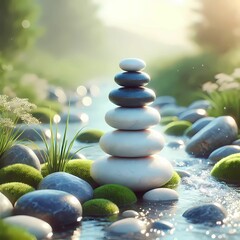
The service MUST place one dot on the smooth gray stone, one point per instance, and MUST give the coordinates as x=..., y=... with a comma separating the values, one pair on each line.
x=130, y=214
x=56, y=207
x=72, y=118
x=197, y=126
x=37, y=227
x=192, y=115
x=223, y=152
x=66, y=182
x=6, y=206
x=203, y=104
x=20, y=154
x=219, y=132
x=212, y=214
x=162, y=225
x=132, y=97
x=132, y=79
x=57, y=94
x=183, y=173
x=132, y=64
x=164, y=100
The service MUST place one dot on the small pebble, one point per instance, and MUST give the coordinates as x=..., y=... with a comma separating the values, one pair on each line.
x=161, y=194
x=130, y=214
x=132, y=64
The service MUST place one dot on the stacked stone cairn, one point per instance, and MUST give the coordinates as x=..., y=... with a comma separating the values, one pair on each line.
x=134, y=144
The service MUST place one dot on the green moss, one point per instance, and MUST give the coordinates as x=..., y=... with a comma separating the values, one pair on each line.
x=81, y=168
x=44, y=170
x=173, y=182
x=44, y=115
x=177, y=128
x=118, y=194
x=228, y=169
x=20, y=173
x=9, y=232
x=14, y=190
x=90, y=136
x=168, y=119
x=99, y=208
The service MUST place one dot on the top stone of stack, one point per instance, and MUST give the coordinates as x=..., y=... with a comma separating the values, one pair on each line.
x=132, y=64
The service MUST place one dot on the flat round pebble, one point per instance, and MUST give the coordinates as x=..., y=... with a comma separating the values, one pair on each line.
x=127, y=226
x=56, y=207
x=162, y=225
x=130, y=214
x=132, y=79
x=132, y=144
x=139, y=174
x=66, y=182
x=212, y=213
x=132, y=64
x=35, y=226
x=132, y=97
x=132, y=118
x=192, y=115
x=6, y=206
x=161, y=194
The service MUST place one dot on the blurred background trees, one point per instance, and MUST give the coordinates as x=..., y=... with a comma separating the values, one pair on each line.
x=217, y=34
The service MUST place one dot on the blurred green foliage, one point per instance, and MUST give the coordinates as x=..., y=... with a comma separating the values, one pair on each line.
x=17, y=26
x=219, y=27
x=183, y=78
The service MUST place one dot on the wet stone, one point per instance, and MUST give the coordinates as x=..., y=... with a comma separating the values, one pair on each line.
x=203, y=104
x=192, y=115
x=130, y=214
x=206, y=214
x=132, y=79
x=162, y=225
x=6, y=206
x=223, y=152
x=20, y=154
x=56, y=207
x=164, y=100
x=161, y=194
x=66, y=182
x=132, y=97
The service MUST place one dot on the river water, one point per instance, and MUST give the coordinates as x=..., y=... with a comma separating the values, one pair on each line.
x=195, y=190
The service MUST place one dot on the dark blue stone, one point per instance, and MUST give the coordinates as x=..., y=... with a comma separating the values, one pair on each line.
x=212, y=214
x=132, y=97
x=164, y=100
x=197, y=126
x=132, y=79
x=56, y=207
x=223, y=152
x=203, y=104
x=66, y=182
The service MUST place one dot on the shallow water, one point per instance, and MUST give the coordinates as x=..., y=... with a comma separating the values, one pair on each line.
x=195, y=190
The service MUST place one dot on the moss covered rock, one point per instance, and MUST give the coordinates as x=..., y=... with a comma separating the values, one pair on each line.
x=99, y=208
x=168, y=119
x=228, y=169
x=81, y=168
x=9, y=232
x=15, y=190
x=173, y=182
x=44, y=114
x=20, y=173
x=177, y=128
x=90, y=136
x=118, y=194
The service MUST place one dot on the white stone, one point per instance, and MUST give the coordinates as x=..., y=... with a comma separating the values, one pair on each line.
x=35, y=226
x=127, y=226
x=130, y=214
x=139, y=174
x=161, y=194
x=132, y=143
x=132, y=64
x=6, y=206
x=132, y=118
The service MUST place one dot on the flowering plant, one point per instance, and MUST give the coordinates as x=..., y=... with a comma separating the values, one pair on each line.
x=11, y=111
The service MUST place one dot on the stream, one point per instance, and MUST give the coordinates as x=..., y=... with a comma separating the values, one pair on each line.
x=199, y=188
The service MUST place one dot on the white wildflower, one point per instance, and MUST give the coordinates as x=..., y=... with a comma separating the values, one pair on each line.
x=236, y=73
x=222, y=78
x=209, y=87
x=227, y=86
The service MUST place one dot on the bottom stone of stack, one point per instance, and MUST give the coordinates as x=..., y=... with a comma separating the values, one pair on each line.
x=139, y=174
